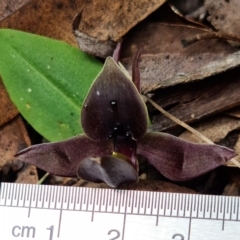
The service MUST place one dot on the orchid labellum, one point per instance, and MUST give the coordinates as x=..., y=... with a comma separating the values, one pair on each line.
x=114, y=119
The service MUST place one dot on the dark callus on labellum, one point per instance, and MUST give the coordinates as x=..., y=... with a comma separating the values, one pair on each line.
x=114, y=119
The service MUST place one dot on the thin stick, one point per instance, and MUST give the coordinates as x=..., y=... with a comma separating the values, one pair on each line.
x=181, y=123
x=43, y=178
x=190, y=129
x=209, y=35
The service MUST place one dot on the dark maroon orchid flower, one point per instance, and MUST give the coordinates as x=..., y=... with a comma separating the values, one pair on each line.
x=114, y=119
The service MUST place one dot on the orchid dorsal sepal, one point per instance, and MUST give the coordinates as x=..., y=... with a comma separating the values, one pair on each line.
x=113, y=104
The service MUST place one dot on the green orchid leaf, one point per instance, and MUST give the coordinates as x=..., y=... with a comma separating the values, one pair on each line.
x=47, y=80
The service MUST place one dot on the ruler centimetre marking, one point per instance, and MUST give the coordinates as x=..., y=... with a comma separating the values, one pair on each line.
x=53, y=212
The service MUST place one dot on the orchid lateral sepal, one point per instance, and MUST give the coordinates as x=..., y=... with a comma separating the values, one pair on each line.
x=62, y=158
x=180, y=160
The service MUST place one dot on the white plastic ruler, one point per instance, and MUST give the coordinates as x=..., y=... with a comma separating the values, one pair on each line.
x=42, y=212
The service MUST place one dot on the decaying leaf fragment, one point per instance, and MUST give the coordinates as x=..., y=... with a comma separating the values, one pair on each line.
x=12, y=139
x=46, y=18
x=165, y=62
x=224, y=15
x=189, y=9
x=98, y=33
x=198, y=100
x=114, y=119
x=120, y=18
x=7, y=7
x=8, y=110
x=90, y=44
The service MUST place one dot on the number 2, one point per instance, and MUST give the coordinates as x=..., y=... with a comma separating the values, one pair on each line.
x=116, y=231
x=178, y=235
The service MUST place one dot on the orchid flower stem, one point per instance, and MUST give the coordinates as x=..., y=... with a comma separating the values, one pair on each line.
x=190, y=129
x=43, y=178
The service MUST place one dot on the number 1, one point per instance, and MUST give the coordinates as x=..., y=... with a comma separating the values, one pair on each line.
x=51, y=232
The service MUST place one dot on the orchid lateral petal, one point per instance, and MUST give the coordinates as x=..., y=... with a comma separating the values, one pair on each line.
x=62, y=158
x=117, y=52
x=179, y=160
x=135, y=70
x=109, y=169
x=113, y=104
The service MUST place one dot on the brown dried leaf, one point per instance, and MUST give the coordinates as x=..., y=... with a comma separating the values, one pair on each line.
x=111, y=20
x=165, y=62
x=237, y=145
x=28, y=175
x=192, y=10
x=8, y=109
x=13, y=137
x=97, y=33
x=215, y=128
x=234, y=112
x=7, y=7
x=234, y=174
x=92, y=45
x=224, y=15
x=231, y=189
x=194, y=101
x=48, y=18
